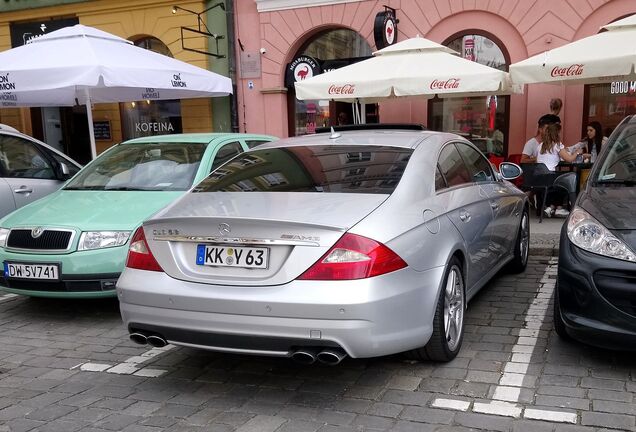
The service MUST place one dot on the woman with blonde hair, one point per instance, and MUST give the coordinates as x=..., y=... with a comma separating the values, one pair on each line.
x=550, y=154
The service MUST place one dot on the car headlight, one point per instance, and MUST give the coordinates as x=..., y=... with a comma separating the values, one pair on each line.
x=4, y=233
x=102, y=239
x=588, y=233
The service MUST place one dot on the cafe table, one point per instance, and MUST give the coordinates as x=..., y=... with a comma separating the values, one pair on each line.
x=582, y=171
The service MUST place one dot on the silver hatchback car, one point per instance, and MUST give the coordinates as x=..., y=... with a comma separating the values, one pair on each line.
x=29, y=169
x=360, y=243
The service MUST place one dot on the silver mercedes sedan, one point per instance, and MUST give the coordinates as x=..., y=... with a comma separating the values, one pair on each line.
x=360, y=243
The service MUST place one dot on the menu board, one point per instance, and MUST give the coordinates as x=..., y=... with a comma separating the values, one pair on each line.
x=101, y=129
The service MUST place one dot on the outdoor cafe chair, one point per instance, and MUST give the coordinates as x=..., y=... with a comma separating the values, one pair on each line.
x=539, y=179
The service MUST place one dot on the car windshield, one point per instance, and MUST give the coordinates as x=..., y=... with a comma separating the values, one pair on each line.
x=328, y=168
x=618, y=165
x=144, y=166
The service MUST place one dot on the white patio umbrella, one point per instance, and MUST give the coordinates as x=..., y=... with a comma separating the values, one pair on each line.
x=414, y=67
x=600, y=58
x=83, y=65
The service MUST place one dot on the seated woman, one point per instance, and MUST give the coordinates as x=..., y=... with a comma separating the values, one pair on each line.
x=592, y=142
x=550, y=153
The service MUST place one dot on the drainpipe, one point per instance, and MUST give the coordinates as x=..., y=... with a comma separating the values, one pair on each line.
x=231, y=54
x=225, y=109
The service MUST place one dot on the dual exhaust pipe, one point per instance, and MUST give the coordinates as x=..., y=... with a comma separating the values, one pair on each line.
x=153, y=340
x=328, y=356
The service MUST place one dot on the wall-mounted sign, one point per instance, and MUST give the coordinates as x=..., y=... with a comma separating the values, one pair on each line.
x=385, y=30
x=23, y=33
x=154, y=127
x=101, y=128
x=622, y=87
x=302, y=67
x=250, y=65
x=322, y=67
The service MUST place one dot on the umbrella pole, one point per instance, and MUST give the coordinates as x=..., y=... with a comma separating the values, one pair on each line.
x=91, y=132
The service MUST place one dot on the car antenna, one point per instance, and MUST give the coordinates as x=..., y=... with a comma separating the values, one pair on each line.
x=334, y=134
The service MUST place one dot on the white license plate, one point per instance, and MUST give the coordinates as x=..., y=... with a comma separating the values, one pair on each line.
x=232, y=256
x=32, y=271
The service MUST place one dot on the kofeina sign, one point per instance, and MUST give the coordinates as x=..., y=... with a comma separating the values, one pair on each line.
x=150, y=127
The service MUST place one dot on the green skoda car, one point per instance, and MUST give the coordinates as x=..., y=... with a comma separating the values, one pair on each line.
x=74, y=242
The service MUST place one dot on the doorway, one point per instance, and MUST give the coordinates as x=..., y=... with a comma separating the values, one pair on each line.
x=65, y=129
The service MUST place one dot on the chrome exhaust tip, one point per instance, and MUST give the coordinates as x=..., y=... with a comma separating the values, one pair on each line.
x=138, y=338
x=156, y=341
x=304, y=356
x=331, y=356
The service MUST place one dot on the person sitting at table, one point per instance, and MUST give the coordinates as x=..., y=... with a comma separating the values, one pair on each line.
x=595, y=140
x=532, y=146
x=550, y=154
x=592, y=142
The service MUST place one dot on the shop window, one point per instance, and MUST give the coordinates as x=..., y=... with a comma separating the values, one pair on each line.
x=332, y=49
x=482, y=120
x=608, y=104
x=151, y=117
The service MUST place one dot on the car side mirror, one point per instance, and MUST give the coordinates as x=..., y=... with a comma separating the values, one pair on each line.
x=63, y=172
x=509, y=170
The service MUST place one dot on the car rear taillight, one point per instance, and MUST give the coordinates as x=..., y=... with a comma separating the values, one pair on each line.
x=139, y=255
x=354, y=257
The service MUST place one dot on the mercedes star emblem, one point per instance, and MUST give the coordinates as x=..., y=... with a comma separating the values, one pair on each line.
x=224, y=229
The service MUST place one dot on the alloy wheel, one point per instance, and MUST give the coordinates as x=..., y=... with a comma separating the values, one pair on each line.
x=454, y=308
x=524, y=241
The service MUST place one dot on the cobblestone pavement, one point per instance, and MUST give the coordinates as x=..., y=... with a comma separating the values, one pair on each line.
x=68, y=365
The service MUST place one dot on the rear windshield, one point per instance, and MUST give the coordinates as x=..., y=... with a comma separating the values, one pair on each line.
x=341, y=169
x=149, y=166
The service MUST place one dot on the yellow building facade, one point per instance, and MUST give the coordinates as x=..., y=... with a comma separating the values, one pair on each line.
x=131, y=20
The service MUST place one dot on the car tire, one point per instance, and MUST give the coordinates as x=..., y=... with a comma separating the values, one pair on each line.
x=522, y=245
x=445, y=342
x=559, y=325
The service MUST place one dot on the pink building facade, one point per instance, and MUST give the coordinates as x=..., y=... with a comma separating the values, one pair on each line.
x=277, y=32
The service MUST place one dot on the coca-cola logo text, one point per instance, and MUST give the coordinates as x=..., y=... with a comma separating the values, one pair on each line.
x=451, y=83
x=572, y=70
x=346, y=89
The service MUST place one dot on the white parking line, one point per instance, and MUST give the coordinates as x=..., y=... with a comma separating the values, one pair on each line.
x=505, y=400
x=7, y=297
x=130, y=366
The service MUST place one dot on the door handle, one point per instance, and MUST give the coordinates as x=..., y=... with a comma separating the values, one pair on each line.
x=494, y=205
x=23, y=190
x=464, y=216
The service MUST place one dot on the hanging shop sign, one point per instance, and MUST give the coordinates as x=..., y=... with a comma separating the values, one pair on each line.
x=468, y=48
x=23, y=33
x=385, y=30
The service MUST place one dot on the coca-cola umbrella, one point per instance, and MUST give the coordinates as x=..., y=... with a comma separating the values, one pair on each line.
x=601, y=58
x=80, y=65
x=414, y=67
